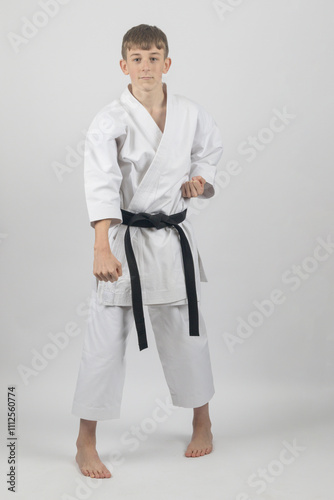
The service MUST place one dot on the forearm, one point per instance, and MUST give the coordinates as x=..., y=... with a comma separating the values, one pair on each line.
x=106, y=267
x=101, y=234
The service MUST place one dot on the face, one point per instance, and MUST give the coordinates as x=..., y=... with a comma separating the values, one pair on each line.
x=145, y=67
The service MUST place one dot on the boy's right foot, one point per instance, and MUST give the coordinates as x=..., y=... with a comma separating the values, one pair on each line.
x=89, y=462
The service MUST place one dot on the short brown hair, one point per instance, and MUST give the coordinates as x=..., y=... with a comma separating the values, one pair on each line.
x=144, y=37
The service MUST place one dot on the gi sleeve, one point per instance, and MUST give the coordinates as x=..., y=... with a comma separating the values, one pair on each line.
x=206, y=151
x=102, y=175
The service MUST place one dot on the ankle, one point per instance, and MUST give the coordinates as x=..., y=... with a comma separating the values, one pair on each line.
x=86, y=441
x=202, y=421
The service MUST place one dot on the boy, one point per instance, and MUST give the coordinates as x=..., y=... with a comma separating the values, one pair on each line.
x=147, y=154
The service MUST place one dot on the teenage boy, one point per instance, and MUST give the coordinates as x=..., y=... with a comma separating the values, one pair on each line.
x=147, y=154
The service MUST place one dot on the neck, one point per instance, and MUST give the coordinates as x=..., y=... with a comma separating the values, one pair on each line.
x=155, y=99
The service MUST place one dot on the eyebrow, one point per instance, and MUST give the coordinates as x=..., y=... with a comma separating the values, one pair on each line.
x=151, y=53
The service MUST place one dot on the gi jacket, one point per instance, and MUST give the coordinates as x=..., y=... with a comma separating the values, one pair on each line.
x=131, y=164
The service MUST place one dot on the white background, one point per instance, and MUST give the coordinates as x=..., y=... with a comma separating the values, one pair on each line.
x=245, y=61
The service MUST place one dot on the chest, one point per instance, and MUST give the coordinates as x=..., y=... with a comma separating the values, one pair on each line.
x=160, y=118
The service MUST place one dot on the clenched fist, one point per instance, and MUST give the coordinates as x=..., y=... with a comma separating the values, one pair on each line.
x=193, y=188
x=106, y=267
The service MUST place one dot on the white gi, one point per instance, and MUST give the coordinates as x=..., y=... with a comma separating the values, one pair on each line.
x=130, y=164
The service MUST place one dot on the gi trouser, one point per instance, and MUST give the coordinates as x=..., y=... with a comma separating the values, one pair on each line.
x=185, y=359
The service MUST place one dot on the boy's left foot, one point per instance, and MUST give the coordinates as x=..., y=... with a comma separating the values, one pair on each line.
x=201, y=441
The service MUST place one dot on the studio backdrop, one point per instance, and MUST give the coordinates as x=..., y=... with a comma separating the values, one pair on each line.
x=263, y=70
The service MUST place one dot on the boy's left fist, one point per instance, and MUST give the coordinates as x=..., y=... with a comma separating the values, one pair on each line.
x=193, y=188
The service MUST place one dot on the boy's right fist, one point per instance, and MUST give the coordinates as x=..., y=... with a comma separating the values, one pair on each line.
x=106, y=267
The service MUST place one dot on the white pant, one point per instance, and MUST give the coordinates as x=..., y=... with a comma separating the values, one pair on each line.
x=185, y=359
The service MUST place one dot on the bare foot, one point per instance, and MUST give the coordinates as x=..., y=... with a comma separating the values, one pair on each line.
x=201, y=441
x=89, y=462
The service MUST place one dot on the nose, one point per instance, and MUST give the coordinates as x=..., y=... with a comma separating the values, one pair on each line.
x=145, y=65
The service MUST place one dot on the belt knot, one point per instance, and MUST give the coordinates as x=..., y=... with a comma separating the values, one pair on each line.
x=159, y=221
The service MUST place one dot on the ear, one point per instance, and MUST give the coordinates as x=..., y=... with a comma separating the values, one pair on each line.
x=167, y=64
x=124, y=66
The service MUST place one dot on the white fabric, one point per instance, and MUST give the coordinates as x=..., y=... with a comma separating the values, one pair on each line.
x=185, y=359
x=131, y=164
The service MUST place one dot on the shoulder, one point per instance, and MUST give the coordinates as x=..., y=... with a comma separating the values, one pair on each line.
x=197, y=109
x=109, y=119
x=184, y=101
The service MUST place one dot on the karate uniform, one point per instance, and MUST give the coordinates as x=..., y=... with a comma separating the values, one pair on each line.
x=131, y=165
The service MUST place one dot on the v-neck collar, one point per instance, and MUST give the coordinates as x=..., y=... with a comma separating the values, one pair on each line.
x=131, y=100
x=161, y=143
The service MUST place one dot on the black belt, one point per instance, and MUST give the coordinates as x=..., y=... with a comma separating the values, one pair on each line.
x=159, y=221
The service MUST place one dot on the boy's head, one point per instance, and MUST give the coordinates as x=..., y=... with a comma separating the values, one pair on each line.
x=144, y=52
x=144, y=37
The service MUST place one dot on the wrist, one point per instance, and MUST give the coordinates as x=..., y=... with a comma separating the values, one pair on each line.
x=101, y=246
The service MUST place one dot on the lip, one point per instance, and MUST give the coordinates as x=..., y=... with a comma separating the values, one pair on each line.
x=145, y=77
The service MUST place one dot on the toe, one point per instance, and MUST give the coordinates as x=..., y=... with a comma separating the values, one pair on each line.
x=107, y=473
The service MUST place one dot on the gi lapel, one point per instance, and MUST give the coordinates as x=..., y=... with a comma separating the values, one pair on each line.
x=145, y=192
x=142, y=119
